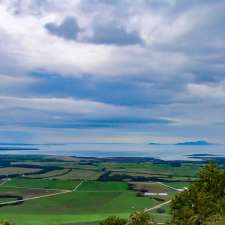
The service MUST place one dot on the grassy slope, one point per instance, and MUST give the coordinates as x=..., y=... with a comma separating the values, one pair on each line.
x=94, y=200
x=80, y=174
x=78, y=206
x=184, y=170
x=75, y=207
x=42, y=183
x=103, y=186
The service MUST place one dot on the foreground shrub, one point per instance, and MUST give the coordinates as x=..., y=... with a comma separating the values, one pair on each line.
x=204, y=199
x=215, y=220
x=113, y=220
x=140, y=218
x=137, y=218
x=6, y=223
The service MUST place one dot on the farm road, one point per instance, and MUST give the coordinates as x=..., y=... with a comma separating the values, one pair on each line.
x=42, y=196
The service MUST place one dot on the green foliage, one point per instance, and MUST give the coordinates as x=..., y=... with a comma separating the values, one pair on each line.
x=113, y=220
x=160, y=210
x=140, y=218
x=215, y=220
x=136, y=218
x=5, y=223
x=204, y=199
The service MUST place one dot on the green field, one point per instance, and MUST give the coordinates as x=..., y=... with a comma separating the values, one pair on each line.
x=79, y=174
x=103, y=186
x=92, y=201
x=187, y=169
x=42, y=183
x=84, y=191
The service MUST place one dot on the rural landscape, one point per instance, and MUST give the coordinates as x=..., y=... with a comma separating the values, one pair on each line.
x=56, y=190
x=112, y=112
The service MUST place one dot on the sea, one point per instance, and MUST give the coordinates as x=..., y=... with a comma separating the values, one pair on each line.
x=101, y=150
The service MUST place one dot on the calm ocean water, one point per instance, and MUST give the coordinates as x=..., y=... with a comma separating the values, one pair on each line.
x=165, y=152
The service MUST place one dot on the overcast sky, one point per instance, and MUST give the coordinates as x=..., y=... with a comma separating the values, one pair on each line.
x=112, y=71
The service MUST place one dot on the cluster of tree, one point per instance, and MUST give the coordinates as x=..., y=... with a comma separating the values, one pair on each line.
x=6, y=223
x=202, y=204
x=137, y=218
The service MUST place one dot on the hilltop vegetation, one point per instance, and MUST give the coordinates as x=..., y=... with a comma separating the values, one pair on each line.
x=202, y=204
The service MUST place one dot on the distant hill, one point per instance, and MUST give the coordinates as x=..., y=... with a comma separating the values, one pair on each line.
x=200, y=142
x=6, y=148
x=194, y=143
x=153, y=143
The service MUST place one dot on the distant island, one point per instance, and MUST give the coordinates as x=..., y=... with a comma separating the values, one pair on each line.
x=200, y=142
x=17, y=149
x=153, y=143
x=194, y=143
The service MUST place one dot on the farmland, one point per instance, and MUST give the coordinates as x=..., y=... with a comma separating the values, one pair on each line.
x=82, y=191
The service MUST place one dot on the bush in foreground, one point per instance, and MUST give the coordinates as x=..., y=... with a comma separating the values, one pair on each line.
x=113, y=220
x=215, y=220
x=202, y=204
x=137, y=218
x=204, y=201
x=140, y=218
x=6, y=223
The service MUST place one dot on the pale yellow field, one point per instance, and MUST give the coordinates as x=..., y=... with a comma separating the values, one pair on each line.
x=78, y=174
x=17, y=170
x=51, y=174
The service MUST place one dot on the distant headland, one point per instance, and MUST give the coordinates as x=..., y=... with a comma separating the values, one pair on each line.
x=199, y=142
x=194, y=143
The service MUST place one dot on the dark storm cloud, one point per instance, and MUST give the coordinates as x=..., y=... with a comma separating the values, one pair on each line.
x=114, y=35
x=102, y=123
x=68, y=28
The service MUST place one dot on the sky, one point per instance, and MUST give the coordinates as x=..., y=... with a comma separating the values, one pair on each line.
x=112, y=71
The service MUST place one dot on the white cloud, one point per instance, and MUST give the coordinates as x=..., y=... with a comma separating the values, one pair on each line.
x=27, y=46
x=60, y=105
x=207, y=91
x=7, y=81
x=180, y=64
x=26, y=42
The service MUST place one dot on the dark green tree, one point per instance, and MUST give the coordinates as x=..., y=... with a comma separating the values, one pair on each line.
x=6, y=223
x=113, y=220
x=215, y=220
x=204, y=199
x=140, y=218
x=136, y=218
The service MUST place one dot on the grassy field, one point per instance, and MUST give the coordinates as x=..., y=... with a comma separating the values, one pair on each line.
x=79, y=174
x=103, y=186
x=53, y=173
x=93, y=201
x=151, y=168
x=42, y=183
x=106, y=187
x=151, y=187
x=178, y=184
x=24, y=192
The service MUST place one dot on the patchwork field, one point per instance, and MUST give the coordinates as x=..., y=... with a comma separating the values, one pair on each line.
x=79, y=174
x=41, y=183
x=84, y=191
x=91, y=201
x=5, y=171
x=53, y=173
